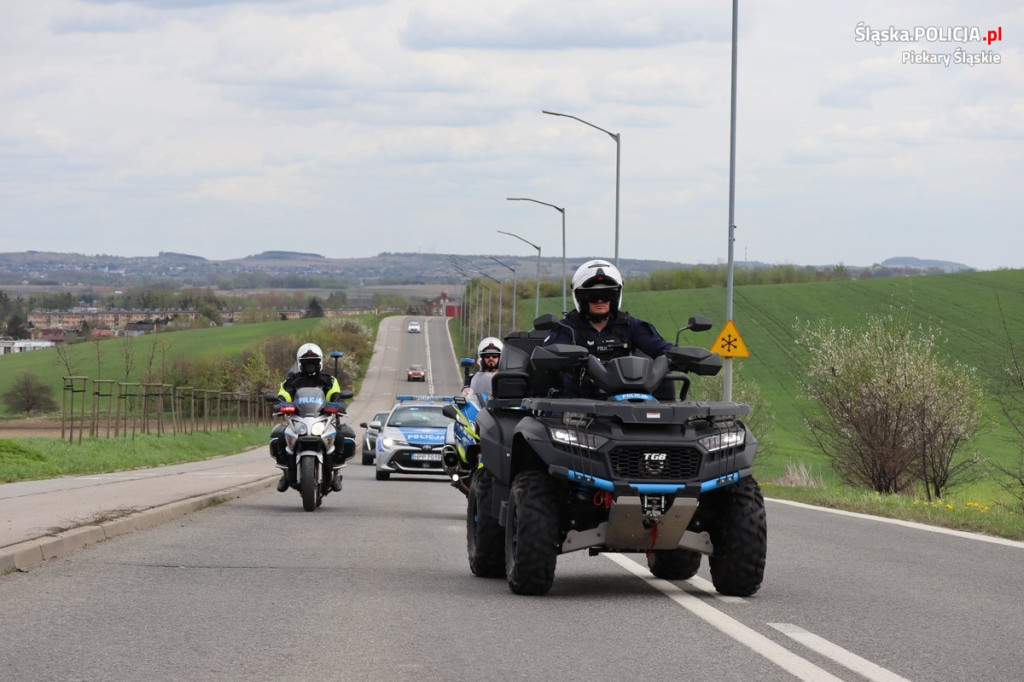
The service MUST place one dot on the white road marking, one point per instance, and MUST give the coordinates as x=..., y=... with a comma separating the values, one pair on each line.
x=799, y=667
x=907, y=524
x=873, y=672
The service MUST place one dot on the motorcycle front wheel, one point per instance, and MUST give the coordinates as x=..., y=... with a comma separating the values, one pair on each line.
x=307, y=483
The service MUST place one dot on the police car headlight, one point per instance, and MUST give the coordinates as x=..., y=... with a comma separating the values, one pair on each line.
x=318, y=428
x=389, y=442
x=724, y=440
x=577, y=439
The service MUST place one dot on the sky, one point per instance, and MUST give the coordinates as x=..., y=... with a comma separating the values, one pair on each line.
x=349, y=128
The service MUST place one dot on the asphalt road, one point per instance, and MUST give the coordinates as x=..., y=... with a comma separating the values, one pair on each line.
x=374, y=585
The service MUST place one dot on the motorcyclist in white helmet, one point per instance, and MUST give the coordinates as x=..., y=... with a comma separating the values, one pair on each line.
x=309, y=360
x=599, y=324
x=488, y=355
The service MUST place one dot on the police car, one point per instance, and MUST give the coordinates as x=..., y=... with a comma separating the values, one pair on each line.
x=411, y=441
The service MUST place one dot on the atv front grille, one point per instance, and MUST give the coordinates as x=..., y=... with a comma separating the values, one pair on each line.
x=641, y=461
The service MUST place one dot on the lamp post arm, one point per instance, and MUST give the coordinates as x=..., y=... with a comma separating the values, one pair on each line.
x=614, y=136
x=536, y=307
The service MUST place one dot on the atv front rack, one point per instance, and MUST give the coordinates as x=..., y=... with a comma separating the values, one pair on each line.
x=637, y=413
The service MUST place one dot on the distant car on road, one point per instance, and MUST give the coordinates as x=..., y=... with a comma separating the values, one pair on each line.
x=416, y=373
x=412, y=439
x=369, y=444
x=414, y=327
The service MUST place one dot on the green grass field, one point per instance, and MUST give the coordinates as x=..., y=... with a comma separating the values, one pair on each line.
x=964, y=307
x=106, y=359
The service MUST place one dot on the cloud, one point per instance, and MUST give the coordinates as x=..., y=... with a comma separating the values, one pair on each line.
x=136, y=127
x=564, y=25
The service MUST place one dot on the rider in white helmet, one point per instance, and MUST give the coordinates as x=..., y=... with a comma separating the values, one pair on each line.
x=488, y=355
x=309, y=362
x=598, y=323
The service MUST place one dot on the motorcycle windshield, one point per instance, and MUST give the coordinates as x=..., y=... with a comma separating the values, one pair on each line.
x=309, y=401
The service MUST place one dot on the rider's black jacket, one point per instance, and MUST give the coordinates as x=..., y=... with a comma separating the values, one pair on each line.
x=296, y=380
x=620, y=337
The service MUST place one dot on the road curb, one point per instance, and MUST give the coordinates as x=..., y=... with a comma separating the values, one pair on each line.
x=25, y=555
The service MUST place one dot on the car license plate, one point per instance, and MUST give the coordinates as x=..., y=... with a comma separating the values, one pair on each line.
x=426, y=456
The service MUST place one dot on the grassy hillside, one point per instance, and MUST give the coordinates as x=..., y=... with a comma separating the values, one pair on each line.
x=105, y=359
x=964, y=307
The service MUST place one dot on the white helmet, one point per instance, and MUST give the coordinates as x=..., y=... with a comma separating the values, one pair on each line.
x=310, y=359
x=491, y=346
x=596, y=275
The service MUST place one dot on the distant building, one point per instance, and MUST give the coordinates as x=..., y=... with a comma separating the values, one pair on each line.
x=442, y=306
x=8, y=346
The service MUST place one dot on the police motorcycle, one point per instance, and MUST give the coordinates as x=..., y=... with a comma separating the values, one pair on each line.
x=314, y=446
x=627, y=468
x=459, y=457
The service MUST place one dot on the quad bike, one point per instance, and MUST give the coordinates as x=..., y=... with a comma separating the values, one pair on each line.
x=616, y=471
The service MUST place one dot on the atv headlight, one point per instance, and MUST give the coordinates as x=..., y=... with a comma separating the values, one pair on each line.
x=577, y=439
x=724, y=440
x=318, y=428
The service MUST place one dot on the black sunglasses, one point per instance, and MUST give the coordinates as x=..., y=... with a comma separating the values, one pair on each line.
x=597, y=295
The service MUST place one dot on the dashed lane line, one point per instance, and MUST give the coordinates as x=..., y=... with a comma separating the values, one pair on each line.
x=795, y=665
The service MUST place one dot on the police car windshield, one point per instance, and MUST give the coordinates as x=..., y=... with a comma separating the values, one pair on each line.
x=419, y=416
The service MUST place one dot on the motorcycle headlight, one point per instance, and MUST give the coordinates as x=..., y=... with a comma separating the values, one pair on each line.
x=724, y=440
x=318, y=428
x=577, y=439
x=299, y=427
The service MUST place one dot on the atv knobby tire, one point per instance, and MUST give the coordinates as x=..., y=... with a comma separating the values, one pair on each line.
x=531, y=534
x=735, y=518
x=485, y=538
x=673, y=564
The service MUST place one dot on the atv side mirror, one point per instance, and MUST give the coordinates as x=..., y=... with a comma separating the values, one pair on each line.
x=697, y=323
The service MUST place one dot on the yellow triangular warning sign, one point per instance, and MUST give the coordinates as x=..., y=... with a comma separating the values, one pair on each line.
x=729, y=344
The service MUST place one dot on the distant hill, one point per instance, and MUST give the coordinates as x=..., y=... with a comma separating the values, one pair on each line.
x=283, y=255
x=930, y=265
x=296, y=270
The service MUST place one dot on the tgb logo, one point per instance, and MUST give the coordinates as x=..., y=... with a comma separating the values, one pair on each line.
x=654, y=463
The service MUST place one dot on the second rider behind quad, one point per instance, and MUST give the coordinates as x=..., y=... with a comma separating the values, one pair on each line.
x=488, y=355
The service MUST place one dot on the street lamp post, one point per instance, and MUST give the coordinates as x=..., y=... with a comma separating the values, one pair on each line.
x=618, y=157
x=466, y=281
x=515, y=320
x=536, y=312
x=562, y=211
x=489, y=292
